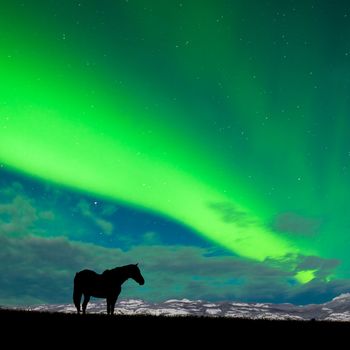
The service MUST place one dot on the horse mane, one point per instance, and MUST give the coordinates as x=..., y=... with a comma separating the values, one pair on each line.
x=116, y=269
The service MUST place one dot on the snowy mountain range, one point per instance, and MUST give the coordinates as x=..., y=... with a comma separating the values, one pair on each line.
x=338, y=309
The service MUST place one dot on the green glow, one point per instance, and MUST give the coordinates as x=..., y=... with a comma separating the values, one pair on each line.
x=305, y=276
x=184, y=109
x=91, y=159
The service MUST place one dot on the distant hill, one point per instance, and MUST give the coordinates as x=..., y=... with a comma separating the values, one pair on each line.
x=337, y=309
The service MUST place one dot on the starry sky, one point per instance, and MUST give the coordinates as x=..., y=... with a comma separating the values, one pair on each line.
x=208, y=141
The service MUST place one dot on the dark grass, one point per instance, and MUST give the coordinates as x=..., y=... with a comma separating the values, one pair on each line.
x=46, y=318
x=176, y=330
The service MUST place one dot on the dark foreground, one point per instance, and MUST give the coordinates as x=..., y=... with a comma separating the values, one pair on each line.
x=32, y=328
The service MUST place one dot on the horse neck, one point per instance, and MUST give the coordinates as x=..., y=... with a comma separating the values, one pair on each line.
x=122, y=274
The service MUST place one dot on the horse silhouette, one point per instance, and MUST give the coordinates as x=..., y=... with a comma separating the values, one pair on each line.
x=106, y=285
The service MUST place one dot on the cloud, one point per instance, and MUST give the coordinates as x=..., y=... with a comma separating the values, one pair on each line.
x=151, y=238
x=11, y=190
x=17, y=216
x=229, y=213
x=47, y=215
x=104, y=225
x=34, y=269
x=20, y=214
x=317, y=291
x=41, y=270
x=108, y=209
x=321, y=265
x=295, y=224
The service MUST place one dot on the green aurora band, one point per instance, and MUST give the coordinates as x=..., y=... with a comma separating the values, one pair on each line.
x=214, y=115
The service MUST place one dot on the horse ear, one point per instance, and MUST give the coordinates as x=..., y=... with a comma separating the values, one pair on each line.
x=137, y=264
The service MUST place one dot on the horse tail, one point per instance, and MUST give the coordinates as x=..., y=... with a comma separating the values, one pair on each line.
x=77, y=292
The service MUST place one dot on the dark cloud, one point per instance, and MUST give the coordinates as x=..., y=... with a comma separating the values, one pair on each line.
x=322, y=266
x=34, y=269
x=317, y=291
x=295, y=224
x=316, y=262
x=230, y=213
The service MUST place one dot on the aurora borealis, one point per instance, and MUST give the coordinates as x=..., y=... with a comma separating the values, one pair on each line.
x=223, y=123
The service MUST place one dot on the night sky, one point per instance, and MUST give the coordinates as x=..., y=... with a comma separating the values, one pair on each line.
x=209, y=141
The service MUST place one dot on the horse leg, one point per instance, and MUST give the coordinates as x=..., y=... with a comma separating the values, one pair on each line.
x=85, y=302
x=112, y=302
x=112, y=306
x=77, y=298
x=108, y=306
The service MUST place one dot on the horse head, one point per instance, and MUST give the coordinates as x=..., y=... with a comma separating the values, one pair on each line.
x=135, y=274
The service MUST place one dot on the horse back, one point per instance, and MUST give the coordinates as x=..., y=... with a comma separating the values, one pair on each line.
x=86, y=272
x=86, y=277
x=95, y=284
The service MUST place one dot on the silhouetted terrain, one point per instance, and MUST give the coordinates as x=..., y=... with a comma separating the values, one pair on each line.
x=336, y=309
x=160, y=331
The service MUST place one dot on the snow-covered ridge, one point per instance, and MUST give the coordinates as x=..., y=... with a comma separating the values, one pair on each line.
x=338, y=309
x=342, y=297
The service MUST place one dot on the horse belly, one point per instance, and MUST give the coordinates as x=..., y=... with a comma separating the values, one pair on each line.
x=98, y=295
x=96, y=291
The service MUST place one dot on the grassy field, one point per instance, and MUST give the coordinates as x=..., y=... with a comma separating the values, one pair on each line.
x=160, y=330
